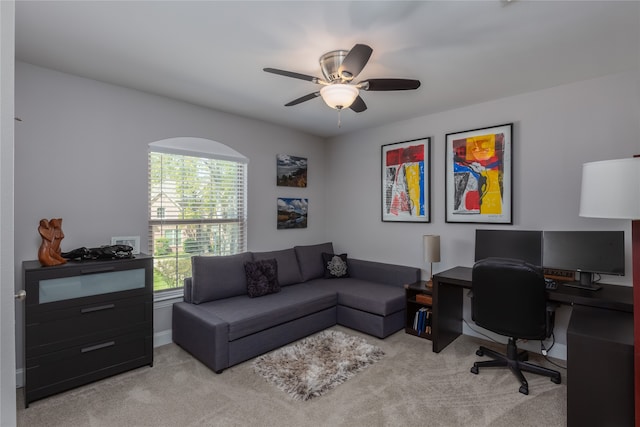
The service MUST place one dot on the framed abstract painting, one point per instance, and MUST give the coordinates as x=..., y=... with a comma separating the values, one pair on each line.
x=406, y=181
x=479, y=171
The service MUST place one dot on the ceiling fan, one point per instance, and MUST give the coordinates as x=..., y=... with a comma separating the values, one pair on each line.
x=339, y=68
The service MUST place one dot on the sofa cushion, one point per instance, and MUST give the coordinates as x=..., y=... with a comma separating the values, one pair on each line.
x=246, y=315
x=215, y=277
x=288, y=270
x=376, y=298
x=262, y=277
x=310, y=259
x=335, y=266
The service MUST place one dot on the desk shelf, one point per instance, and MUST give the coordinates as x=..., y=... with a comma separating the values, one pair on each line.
x=419, y=301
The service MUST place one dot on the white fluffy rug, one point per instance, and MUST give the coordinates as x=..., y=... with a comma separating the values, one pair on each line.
x=316, y=364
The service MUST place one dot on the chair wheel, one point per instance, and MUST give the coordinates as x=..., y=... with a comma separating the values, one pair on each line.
x=524, y=390
x=479, y=353
x=556, y=380
x=474, y=370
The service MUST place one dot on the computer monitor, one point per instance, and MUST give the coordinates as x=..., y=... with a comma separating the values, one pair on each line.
x=525, y=245
x=587, y=252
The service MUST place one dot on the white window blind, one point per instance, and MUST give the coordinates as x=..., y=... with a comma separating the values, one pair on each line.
x=197, y=206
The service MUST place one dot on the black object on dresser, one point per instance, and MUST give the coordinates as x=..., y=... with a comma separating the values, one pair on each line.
x=85, y=321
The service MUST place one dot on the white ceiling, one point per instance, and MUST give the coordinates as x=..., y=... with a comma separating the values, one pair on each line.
x=212, y=53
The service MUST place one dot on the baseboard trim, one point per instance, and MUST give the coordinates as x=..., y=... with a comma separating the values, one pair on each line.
x=559, y=350
x=19, y=378
x=162, y=338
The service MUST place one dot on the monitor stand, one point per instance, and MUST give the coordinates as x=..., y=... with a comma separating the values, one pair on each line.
x=585, y=282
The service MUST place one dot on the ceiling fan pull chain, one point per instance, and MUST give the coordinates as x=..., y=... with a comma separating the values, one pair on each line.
x=340, y=117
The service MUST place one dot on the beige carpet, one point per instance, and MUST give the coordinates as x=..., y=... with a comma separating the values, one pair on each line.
x=410, y=386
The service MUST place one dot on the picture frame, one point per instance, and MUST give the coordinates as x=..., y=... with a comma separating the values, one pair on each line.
x=292, y=213
x=133, y=241
x=479, y=175
x=291, y=171
x=406, y=181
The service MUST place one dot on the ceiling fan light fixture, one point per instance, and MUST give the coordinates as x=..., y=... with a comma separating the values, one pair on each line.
x=339, y=95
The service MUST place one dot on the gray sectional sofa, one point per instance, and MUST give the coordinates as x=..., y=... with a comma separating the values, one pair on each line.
x=222, y=326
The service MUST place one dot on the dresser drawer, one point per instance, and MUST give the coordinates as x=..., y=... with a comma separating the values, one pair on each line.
x=55, y=329
x=65, y=369
x=90, y=281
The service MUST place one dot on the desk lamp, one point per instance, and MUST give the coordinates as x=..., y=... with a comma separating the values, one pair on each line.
x=611, y=189
x=431, y=247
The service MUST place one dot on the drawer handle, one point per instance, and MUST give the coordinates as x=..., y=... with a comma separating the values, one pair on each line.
x=97, y=270
x=99, y=308
x=98, y=346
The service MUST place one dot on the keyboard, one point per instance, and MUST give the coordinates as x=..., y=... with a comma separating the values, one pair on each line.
x=550, y=284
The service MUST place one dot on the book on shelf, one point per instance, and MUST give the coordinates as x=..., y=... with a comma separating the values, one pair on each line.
x=422, y=321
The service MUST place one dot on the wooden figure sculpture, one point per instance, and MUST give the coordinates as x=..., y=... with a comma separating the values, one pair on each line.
x=51, y=232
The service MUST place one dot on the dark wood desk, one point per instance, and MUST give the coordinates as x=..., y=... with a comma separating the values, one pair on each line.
x=599, y=344
x=448, y=296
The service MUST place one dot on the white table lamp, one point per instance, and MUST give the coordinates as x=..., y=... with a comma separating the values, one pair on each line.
x=431, y=247
x=611, y=189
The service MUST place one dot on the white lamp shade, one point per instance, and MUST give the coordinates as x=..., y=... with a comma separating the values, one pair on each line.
x=339, y=95
x=431, y=247
x=611, y=189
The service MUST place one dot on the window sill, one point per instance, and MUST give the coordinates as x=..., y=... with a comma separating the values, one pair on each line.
x=168, y=295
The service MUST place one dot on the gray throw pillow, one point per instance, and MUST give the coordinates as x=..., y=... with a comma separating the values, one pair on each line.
x=217, y=277
x=288, y=270
x=335, y=266
x=310, y=260
x=262, y=277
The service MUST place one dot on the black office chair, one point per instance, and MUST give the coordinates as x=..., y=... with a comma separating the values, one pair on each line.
x=509, y=298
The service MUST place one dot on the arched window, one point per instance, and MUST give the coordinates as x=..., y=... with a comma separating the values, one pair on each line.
x=197, y=205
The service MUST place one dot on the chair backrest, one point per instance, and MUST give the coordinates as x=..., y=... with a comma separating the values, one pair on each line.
x=509, y=298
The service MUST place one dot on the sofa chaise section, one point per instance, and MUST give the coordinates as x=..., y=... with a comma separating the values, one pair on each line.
x=372, y=298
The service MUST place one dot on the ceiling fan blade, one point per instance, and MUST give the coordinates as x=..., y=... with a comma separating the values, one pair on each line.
x=358, y=105
x=302, y=99
x=389, y=84
x=292, y=74
x=355, y=61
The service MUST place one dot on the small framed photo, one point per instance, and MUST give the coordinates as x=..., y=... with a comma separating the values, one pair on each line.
x=292, y=171
x=292, y=213
x=133, y=241
x=479, y=170
x=406, y=181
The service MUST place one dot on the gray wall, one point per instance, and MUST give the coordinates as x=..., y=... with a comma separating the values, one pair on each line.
x=81, y=154
x=7, y=302
x=555, y=131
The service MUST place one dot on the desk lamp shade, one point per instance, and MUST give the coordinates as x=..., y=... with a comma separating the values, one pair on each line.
x=611, y=189
x=431, y=247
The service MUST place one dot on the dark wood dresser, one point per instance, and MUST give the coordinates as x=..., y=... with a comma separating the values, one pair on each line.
x=85, y=321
